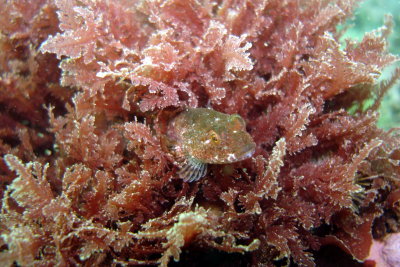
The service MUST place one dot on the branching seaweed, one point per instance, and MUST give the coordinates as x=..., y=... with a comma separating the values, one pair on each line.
x=87, y=88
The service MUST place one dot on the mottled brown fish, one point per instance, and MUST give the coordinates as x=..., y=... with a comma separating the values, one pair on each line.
x=204, y=136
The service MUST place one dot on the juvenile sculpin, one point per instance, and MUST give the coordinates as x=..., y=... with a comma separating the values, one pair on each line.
x=202, y=136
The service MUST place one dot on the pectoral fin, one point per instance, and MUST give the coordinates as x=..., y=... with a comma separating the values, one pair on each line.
x=192, y=170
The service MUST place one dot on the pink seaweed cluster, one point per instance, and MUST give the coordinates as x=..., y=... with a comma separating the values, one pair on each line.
x=87, y=89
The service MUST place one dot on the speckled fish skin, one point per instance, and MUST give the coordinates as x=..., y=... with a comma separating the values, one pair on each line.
x=210, y=137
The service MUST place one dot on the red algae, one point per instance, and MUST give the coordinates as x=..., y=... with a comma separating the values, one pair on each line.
x=88, y=88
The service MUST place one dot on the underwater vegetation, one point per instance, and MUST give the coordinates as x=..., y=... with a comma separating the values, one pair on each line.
x=90, y=89
x=368, y=16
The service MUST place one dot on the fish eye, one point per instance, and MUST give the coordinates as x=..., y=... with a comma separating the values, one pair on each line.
x=213, y=136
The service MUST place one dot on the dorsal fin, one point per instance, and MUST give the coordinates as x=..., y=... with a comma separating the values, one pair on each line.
x=192, y=170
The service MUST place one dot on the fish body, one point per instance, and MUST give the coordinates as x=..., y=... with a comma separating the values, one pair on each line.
x=204, y=136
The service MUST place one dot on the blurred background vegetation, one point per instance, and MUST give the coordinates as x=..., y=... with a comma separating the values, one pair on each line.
x=368, y=17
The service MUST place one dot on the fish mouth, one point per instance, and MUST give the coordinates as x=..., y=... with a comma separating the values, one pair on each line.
x=248, y=151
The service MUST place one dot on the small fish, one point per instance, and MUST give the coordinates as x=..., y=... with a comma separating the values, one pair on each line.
x=202, y=136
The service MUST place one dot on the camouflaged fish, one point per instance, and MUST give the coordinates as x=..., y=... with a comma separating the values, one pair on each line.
x=203, y=136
